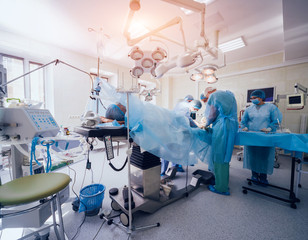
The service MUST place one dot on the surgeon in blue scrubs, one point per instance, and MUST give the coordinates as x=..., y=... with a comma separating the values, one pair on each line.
x=260, y=117
x=221, y=114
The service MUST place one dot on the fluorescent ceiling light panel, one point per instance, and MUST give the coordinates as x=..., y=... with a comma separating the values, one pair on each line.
x=232, y=45
x=186, y=11
x=207, y=2
x=189, y=11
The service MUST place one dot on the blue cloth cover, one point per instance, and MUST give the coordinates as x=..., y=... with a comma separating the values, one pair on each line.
x=162, y=132
x=221, y=112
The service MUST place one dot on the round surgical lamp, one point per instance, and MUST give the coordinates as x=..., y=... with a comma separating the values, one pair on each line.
x=159, y=54
x=147, y=62
x=211, y=79
x=136, y=53
x=209, y=69
x=196, y=77
x=136, y=71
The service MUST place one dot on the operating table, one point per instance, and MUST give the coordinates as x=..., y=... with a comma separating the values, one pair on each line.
x=147, y=194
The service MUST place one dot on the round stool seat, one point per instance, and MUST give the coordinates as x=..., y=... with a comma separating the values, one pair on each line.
x=32, y=188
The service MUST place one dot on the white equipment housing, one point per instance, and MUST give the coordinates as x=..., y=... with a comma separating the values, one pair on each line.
x=26, y=123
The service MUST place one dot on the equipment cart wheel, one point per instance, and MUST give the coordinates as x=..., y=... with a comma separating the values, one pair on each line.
x=115, y=206
x=244, y=191
x=124, y=219
x=293, y=205
x=249, y=183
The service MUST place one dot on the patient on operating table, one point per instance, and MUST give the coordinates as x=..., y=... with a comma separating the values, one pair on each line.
x=114, y=112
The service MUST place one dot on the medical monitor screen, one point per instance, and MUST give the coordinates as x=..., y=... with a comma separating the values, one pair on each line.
x=295, y=99
x=269, y=94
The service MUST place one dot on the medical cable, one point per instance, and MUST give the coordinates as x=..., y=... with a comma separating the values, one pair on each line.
x=33, y=145
x=100, y=100
x=78, y=230
x=99, y=229
x=118, y=169
x=48, y=144
x=103, y=167
x=74, y=180
x=79, y=227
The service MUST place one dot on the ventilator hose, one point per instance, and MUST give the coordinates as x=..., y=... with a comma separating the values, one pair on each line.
x=118, y=169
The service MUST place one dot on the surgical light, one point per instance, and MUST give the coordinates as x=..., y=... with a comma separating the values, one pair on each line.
x=196, y=77
x=136, y=53
x=207, y=74
x=211, y=79
x=146, y=61
x=137, y=71
x=159, y=54
x=209, y=69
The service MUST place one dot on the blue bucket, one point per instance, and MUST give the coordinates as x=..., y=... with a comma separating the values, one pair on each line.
x=91, y=198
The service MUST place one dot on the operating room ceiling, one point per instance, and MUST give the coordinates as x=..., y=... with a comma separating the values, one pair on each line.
x=66, y=24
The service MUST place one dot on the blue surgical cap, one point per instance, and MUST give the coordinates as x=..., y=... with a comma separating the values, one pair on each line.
x=115, y=113
x=202, y=96
x=189, y=98
x=258, y=93
x=196, y=104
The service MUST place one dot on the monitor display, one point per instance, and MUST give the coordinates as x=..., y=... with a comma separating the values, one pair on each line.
x=269, y=94
x=295, y=101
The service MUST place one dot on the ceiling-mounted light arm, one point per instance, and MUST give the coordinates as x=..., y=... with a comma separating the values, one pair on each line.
x=134, y=41
x=196, y=7
x=183, y=35
x=127, y=24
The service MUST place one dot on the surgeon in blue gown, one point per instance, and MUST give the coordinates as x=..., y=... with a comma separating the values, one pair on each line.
x=221, y=112
x=260, y=117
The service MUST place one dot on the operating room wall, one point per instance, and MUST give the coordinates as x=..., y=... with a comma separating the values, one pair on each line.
x=67, y=90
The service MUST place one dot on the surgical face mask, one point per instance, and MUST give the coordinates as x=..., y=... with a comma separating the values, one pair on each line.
x=193, y=114
x=255, y=101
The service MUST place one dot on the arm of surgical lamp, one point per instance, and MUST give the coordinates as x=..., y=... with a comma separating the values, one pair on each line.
x=193, y=6
x=134, y=41
x=162, y=68
x=184, y=60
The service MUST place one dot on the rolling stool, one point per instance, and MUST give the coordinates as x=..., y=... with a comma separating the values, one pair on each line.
x=29, y=189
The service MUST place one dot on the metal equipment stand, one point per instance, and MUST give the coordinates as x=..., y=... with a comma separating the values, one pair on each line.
x=292, y=198
x=130, y=228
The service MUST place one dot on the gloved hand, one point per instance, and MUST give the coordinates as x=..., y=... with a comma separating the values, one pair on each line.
x=245, y=129
x=266, y=130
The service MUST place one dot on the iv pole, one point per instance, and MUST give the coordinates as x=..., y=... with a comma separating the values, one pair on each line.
x=129, y=153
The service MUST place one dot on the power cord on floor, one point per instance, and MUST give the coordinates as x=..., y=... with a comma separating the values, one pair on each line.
x=99, y=229
x=78, y=229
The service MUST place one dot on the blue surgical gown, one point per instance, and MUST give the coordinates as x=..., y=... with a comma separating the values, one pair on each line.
x=255, y=118
x=221, y=112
